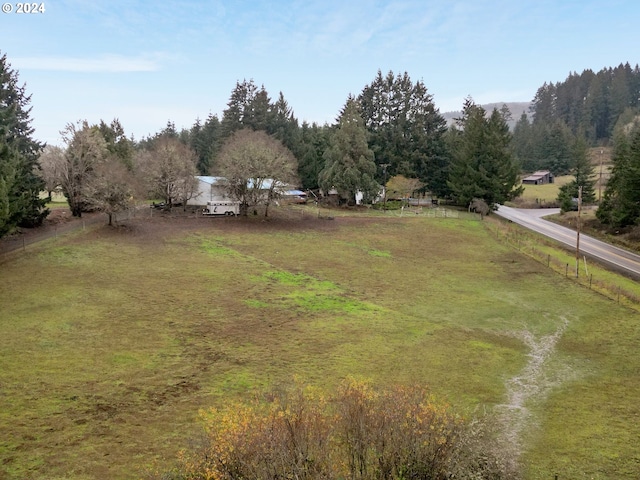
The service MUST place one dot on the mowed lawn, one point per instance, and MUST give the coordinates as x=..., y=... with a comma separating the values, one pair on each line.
x=113, y=339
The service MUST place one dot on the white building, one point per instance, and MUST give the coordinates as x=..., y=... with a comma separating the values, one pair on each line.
x=209, y=189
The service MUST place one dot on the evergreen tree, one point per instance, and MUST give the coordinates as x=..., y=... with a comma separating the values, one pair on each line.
x=260, y=112
x=583, y=177
x=544, y=104
x=406, y=131
x=554, y=148
x=313, y=143
x=118, y=145
x=205, y=141
x=483, y=167
x=20, y=185
x=250, y=107
x=239, y=113
x=349, y=162
x=522, y=142
x=620, y=206
x=283, y=125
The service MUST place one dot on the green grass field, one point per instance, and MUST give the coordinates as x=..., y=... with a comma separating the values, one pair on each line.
x=544, y=193
x=114, y=338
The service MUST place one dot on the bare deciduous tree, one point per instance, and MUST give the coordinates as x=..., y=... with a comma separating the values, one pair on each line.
x=85, y=149
x=169, y=170
x=111, y=188
x=257, y=167
x=52, y=164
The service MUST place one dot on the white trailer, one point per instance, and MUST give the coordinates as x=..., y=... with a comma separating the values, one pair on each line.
x=221, y=208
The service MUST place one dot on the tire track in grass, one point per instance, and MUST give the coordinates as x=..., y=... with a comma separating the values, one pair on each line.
x=533, y=384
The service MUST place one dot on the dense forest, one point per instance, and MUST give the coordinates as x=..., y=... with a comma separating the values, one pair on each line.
x=390, y=133
x=587, y=106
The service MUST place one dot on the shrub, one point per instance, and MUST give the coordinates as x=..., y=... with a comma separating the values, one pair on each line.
x=389, y=205
x=359, y=434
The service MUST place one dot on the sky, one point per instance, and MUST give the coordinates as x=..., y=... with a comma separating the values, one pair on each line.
x=150, y=62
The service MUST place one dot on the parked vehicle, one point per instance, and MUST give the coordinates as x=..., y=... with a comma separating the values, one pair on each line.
x=221, y=208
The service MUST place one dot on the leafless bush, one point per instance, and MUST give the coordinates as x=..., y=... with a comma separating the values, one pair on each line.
x=358, y=434
x=479, y=206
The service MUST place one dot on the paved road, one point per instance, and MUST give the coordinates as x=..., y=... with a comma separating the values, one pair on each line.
x=589, y=246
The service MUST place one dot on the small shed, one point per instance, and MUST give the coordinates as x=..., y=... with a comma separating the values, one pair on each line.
x=541, y=177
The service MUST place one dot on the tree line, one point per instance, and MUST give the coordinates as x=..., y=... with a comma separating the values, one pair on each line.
x=390, y=134
x=585, y=106
x=391, y=129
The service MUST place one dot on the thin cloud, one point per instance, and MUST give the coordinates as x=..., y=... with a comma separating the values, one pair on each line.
x=102, y=64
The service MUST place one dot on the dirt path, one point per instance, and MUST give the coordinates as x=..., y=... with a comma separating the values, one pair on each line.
x=533, y=384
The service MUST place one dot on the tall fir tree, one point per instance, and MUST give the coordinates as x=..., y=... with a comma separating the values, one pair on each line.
x=522, y=142
x=484, y=167
x=349, y=162
x=620, y=206
x=283, y=125
x=204, y=139
x=239, y=111
x=313, y=143
x=406, y=131
x=20, y=185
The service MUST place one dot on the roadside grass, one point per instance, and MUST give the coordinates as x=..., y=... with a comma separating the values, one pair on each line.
x=628, y=237
x=114, y=339
x=591, y=274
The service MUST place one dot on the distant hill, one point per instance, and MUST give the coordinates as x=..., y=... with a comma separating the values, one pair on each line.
x=516, y=109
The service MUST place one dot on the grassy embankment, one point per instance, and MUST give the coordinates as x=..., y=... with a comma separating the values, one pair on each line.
x=113, y=339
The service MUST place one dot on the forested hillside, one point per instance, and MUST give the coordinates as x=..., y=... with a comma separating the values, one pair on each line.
x=589, y=103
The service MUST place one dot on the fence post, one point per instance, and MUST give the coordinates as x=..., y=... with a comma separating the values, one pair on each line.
x=590, y=280
x=566, y=270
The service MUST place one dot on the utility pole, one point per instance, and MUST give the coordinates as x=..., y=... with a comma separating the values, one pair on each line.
x=578, y=230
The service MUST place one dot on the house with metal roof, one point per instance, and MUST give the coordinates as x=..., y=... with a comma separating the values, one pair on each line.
x=209, y=189
x=213, y=189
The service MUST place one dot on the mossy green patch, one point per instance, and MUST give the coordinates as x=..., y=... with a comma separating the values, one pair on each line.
x=253, y=303
x=216, y=247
